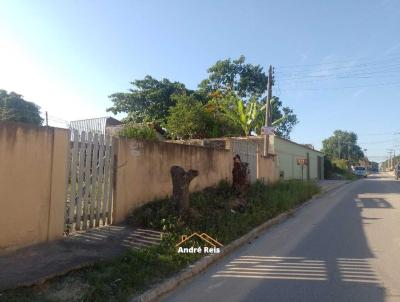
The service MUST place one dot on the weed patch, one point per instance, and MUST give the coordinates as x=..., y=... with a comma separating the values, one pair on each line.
x=136, y=270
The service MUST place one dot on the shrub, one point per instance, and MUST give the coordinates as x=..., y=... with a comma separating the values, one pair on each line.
x=187, y=119
x=138, y=132
x=341, y=164
x=337, y=169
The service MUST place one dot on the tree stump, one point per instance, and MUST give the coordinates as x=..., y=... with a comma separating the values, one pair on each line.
x=180, y=182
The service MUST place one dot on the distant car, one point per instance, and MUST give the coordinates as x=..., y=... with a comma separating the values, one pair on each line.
x=360, y=171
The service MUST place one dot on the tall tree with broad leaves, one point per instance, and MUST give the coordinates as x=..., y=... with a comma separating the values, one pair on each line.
x=14, y=108
x=241, y=113
x=226, y=76
x=249, y=83
x=343, y=145
x=148, y=101
x=283, y=118
x=187, y=119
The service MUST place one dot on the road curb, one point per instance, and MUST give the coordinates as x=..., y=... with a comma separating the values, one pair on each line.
x=188, y=273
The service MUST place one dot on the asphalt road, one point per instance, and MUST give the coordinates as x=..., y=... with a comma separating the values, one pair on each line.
x=344, y=246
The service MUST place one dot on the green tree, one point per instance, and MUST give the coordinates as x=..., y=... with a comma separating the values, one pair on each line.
x=226, y=76
x=241, y=113
x=248, y=82
x=149, y=100
x=343, y=145
x=218, y=123
x=187, y=119
x=283, y=119
x=14, y=108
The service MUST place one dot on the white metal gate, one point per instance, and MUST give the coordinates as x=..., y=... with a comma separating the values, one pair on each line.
x=90, y=182
x=247, y=150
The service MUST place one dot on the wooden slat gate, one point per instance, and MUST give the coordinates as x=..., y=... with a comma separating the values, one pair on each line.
x=90, y=182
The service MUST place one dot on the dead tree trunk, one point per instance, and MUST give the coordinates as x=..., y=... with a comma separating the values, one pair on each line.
x=180, y=182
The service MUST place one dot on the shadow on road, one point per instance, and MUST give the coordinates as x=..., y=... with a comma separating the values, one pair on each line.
x=333, y=262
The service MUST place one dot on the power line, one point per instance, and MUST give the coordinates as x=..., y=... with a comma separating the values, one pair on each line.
x=381, y=133
x=382, y=68
x=56, y=118
x=344, y=87
x=378, y=142
x=392, y=67
x=347, y=72
x=344, y=76
x=346, y=62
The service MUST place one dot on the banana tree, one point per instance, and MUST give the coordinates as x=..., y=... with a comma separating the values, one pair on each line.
x=250, y=116
x=243, y=114
x=276, y=121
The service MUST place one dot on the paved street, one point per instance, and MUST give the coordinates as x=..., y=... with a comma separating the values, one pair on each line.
x=344, y=246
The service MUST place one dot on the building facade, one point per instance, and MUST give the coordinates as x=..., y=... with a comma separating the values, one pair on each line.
x=296, y=161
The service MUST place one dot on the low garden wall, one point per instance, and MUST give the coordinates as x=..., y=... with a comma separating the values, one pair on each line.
x=143, y=171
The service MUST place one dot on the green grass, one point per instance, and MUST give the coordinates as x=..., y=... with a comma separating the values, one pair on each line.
x=113, y=280
x=211, y=210
x=349, y=176
x=136, y=270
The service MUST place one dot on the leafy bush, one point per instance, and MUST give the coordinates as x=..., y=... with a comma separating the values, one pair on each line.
x=187, y=119
x=138, y=132
x=341, y=164
x=338, y=168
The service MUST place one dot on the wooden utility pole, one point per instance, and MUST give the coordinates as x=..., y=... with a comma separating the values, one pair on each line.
x=47, y=120
x=394, y=159
x=268, y=117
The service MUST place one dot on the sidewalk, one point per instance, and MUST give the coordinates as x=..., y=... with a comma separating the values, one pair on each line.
x=35, y=264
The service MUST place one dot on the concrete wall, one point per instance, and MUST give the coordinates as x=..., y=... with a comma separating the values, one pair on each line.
x=143, y=171
x=287, y=153
x=33, y=178
x=267, y=169
x=33, y=171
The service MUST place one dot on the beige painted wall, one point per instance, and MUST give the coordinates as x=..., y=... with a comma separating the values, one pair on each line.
x=33, y=177
x=267, y=169
x=33, y=170
x=143, y=171
x=287, y=153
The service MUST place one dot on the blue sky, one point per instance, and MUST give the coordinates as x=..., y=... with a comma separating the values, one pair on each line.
x=68, y=56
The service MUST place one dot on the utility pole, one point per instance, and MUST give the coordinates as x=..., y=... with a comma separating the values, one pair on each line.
x=389, y=165
x=47, y=120
x=392, y=154
x=268, y=117
x=394, y=159
x=339, y=146
x=391, y=162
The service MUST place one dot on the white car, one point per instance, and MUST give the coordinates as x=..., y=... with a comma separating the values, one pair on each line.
x=360, y=171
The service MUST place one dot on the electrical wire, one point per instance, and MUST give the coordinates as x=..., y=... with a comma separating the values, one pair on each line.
x=305, y=79
x=345, y=62
x=343, y=87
